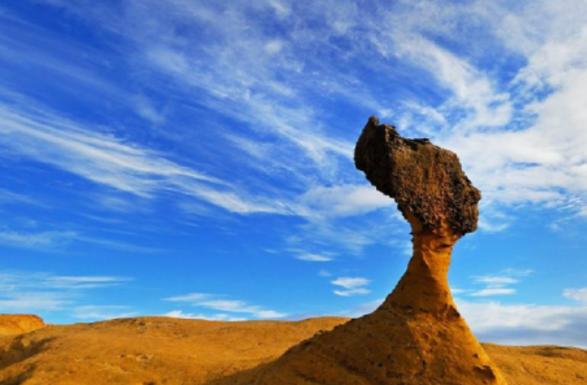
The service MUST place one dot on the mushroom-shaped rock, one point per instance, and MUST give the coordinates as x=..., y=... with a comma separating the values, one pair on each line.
x=416, y=337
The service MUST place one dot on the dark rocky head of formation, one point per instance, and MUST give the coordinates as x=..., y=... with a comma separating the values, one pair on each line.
x=426, y=181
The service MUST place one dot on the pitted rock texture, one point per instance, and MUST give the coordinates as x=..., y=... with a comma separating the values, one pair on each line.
x=426, y=181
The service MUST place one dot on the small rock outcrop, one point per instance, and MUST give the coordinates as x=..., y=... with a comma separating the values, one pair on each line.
x=11, y=324
x=417, y=336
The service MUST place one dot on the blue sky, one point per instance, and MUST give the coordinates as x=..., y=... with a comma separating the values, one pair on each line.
x=195, y=158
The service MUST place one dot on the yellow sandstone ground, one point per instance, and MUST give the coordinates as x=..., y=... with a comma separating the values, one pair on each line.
x=167, y=351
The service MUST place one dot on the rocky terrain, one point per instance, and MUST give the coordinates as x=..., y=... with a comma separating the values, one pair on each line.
x=168, y=351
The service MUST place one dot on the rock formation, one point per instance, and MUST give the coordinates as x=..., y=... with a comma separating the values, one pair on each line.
x=11, y=324
x=417, y=336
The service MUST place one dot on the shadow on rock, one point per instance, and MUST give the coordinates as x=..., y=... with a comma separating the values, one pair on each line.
x=243, y=377
x=20, y=349
x=19, y=378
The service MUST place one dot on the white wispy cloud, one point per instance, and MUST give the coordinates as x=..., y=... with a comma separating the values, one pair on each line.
x=245, y=82
x=101, y=312
x=107, y=160
x=10, y=280
x=55, y=240
x=7, y=197
x=83, y=281
x=33, y=301
x=470, y=87
x=313, y=257
x=342, y=201
x=101, y=158
x=248, y=82
x=40, y=292
x=526, y=324
x=191, y=297
x=339, y=235
x=208, y=317
x=351, y=286
x=350, y=282
x=500, y=284
x=492, y=219
x=222, y=304
x=146, y=110
x=45, y=239
x=487, y=316
x=495, y=280
x=494, y=291
x=352, y=292
x=540, y=158
x=579, y=294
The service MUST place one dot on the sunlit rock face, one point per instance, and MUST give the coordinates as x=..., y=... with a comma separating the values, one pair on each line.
x=417, y=336
x=11, y=324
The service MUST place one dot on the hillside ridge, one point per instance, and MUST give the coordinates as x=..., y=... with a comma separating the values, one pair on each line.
x=170, y=351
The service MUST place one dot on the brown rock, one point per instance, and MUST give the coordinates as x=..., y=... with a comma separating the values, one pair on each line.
x=426, y=181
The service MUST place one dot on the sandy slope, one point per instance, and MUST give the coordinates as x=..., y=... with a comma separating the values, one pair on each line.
x=158, y=351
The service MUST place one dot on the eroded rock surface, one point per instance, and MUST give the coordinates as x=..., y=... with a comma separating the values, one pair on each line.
x=11, y=324
x=426, y=181
x=417, y=336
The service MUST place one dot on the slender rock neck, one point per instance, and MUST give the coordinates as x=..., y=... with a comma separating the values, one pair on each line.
x=424, y=286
